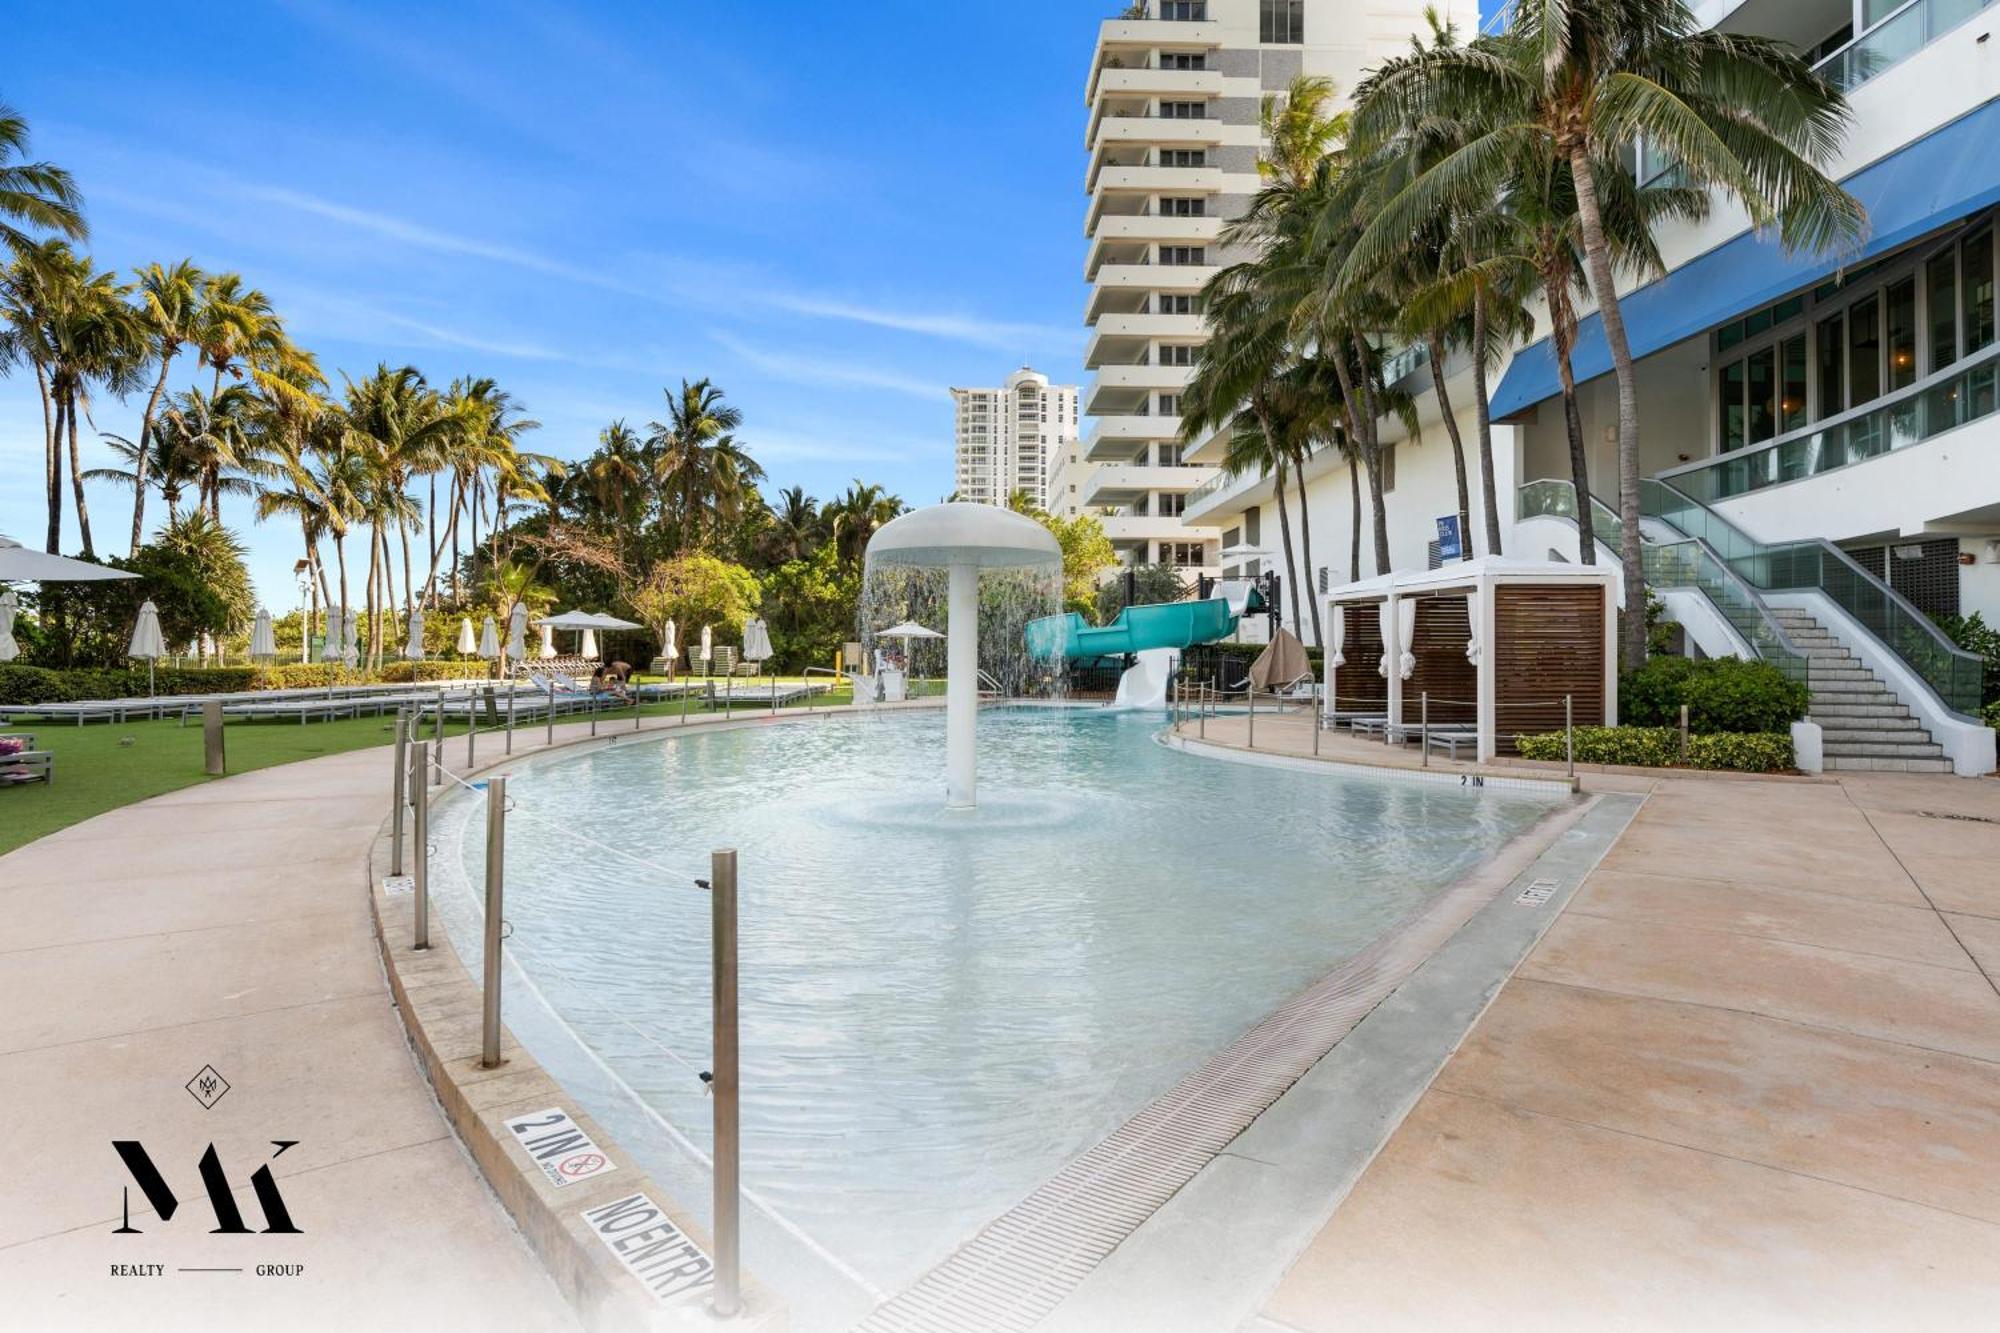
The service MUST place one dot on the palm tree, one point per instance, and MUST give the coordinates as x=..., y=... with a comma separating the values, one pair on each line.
x=686, y=465
x=33, y=194
x=617, y=473
x=234, y=324
x=797, y=525
x=1582, y=80
x=93, y=338
x=171, y=301
x=854, y=517
x=213, y=439
x=28, y=288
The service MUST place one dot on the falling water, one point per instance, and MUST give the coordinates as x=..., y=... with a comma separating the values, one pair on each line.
x=1008, y=600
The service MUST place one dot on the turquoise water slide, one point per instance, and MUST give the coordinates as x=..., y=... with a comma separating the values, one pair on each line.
x=1138, y=628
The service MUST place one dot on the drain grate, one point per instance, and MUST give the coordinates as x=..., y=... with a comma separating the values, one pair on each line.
x=1016, y=1270
x=1963, y=819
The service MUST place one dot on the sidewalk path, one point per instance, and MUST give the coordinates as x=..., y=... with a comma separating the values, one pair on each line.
x=227, y=925
x=1749, y=1079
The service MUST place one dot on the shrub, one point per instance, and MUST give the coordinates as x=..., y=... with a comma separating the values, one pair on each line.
x=1660, y=747
x=1972, y=634
x=48, y=685
x=1722, y=694
x=1991, y=715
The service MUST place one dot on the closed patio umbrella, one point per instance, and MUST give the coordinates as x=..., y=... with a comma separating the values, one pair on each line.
x=18, y=564
x=1385, y=620
x=489, y=640
x=350, y=653
x=413, y=645
x=756, y=640
x=548, y=648
x=1407, y=629
x=589, y=646
x=517, y=632
x=336, y=636
x=263, y=640
x=1472, y=633
x=147, y=642
x=9, y=608
x=672, y=647
x=466, y=643
x=1339, y=659
x=707, y=644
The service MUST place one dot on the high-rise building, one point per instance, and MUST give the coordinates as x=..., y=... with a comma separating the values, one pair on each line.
x=1008, y=438
x=1175, y=93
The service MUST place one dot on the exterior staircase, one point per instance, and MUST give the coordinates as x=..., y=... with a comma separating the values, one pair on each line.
x=1865, y=725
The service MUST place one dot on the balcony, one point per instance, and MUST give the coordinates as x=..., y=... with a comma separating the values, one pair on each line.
x=1145, y=228
x=1127, y=529
x=1116, y=439
x=1223, y=496
x=1895, y=39
x=1155, y=277
x=1152, y=82
x=1121, y=484
x=1131, y=383
x=1171, y=131
x=1116, y=338
x=1158, y=180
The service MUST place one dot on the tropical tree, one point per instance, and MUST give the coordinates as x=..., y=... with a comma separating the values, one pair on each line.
x=854, y=517
x=696, y=589
x=695, y=460
x=1581, y=81
x=170, y=299
x=34, y=196
x=92, y=338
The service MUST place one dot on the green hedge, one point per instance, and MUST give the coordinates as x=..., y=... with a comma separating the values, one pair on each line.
x=1991, y=715
x=1660, y=747
x=1722, y=694
x=51, y=685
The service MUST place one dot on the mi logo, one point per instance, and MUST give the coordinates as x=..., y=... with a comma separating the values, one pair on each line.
x=228, y=1218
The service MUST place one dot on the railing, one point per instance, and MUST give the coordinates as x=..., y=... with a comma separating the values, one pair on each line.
x=1820, y=566
x=1895, y=39
x=1690, y=563
x=1955, y=396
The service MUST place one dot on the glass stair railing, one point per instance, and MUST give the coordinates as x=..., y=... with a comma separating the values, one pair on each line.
x=1689, y=563
x=1819, y=566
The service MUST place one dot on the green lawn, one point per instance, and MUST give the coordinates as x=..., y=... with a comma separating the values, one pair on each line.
x=97, y=771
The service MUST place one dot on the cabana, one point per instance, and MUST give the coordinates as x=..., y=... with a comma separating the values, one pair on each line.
x=1495, y=644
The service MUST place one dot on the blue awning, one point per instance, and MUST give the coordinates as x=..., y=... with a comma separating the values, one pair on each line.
x=1941, y=178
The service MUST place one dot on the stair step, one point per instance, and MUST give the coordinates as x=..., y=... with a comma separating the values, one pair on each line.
x=1815, y=673
x=1848, y=685
x=1865, y=764
x=1849, y=711
x=1832, y=724
x=1847, y=741
x=1881, y=750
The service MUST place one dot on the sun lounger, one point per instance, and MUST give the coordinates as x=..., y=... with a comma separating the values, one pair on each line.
x=1452, y=741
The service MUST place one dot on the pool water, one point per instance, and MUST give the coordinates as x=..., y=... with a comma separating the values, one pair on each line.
x=939, y=1009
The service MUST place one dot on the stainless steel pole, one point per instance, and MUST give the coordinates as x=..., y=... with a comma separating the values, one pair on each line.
x=1424, y=725
x=1201, y=727
x=471, y=727
x=593, y=710
x=1317, y=720
x=684, y=703
x=549, y=737
x=513, y=687
x=1251, y=696
x=728, y=1139
x=420, y=843
x=400, y=782
x=437, y=750
x=1684, y=733
x=496, y=857
x=728, y=694
x=1569, y=732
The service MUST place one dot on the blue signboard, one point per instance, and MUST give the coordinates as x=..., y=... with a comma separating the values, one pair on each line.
x=1450, y=541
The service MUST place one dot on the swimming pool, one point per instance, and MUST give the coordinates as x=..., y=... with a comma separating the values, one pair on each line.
x=939, y=1010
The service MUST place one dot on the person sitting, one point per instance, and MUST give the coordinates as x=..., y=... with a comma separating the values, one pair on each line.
x=604, y=682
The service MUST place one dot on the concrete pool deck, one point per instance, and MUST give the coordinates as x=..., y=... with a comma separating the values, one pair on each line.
x=1749, y=1078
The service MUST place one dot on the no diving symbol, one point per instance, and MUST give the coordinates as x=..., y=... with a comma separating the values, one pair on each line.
x=581, y=1165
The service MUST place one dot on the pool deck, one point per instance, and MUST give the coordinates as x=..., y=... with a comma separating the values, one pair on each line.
x=1747, y=1079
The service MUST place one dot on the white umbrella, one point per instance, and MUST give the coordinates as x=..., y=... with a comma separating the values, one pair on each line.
x=413, y=646
x=489, y=640
x=18, y=564
x=707, y=644
x=756, y=640
x=147, y=642
x=517, y=632
x=263, y=641
x=548, y=648
x=9, y=607
x=1339, y=636
x=589, y=647
x=350, y=654
x=1407, y=628
x=672, y=646
x=466, y=643
x=335, y=636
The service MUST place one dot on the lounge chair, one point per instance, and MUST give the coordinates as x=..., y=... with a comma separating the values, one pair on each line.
x=28, y=764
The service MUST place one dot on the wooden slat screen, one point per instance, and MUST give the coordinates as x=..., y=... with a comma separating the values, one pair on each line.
x=1549, y=643
x=1357, y=686
x=1453, y=682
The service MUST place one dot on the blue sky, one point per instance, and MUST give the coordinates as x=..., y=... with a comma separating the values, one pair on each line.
x=834, y=211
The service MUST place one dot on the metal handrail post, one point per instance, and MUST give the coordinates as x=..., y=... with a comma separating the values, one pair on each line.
x=1569, y=732
x=513, y=688
x=471, y=728
x=496, y=858
x=728, y=1137
x=728, y=694
x=684, y=704
x=1250, y=696
x=1201, y=726
x=593, y=712
x=437, y=746
x=1684, y=733
x=420, y=844
x=1424, y=725
x=549, y=737
x=401, y=782
x=1317, y=718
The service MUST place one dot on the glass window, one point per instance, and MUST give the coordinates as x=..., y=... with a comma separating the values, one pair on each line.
x=1763, y=389
x=1874, y=11
x=1902, y=329
x=1978, y=278
x=1864, y=353
x=1281, y=21
x=1941, y=309
x=1792, y=383
x=1731, y=401
x=1832, y=360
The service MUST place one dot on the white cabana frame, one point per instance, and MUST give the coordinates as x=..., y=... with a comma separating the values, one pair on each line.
x=1478, y=579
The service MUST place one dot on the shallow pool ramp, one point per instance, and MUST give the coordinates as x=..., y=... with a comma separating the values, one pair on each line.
x=1025, y=1262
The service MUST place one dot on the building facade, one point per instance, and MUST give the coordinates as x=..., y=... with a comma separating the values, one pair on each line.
x=1174, y=96
x=1007, y=439
x=1818, y=432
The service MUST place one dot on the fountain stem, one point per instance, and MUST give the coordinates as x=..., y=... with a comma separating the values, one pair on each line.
x=961, y=705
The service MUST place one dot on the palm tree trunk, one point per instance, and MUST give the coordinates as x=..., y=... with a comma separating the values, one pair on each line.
x=76, y=483
x=340, y=555
x=1434, y=345
x=1371, y=453
x=145, y=440
x=1354, y=489
x=53, y=463
x=457, y=505
x=1484, y=407
x=1278, y=461
x=1306, y=545
x=1562, y=333
x=1597, y=257
x=409, y=588
x=374, y=579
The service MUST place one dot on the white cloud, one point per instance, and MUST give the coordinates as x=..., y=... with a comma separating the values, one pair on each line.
x=821, y=373
x=961, y=328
